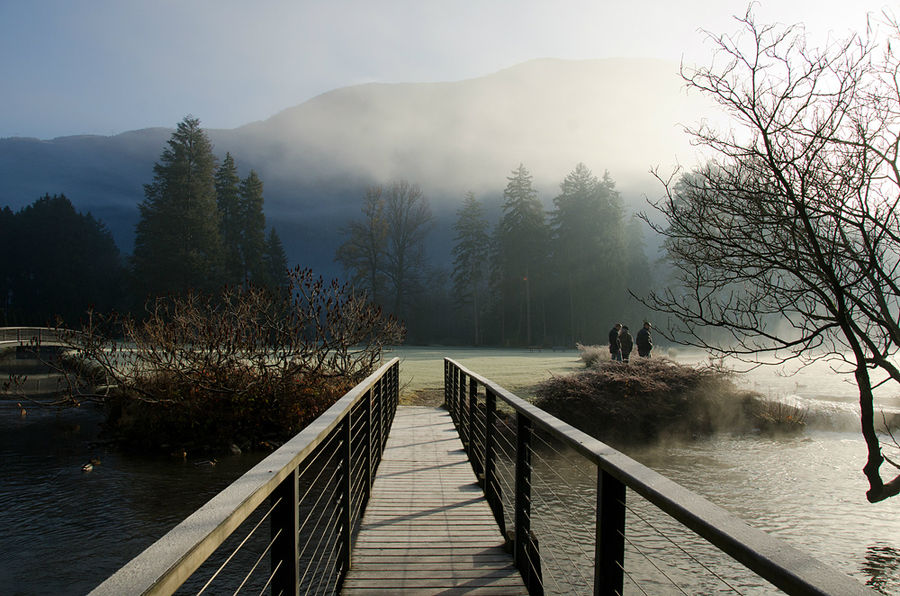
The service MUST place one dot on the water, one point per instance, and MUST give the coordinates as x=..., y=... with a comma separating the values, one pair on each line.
x=64, y=530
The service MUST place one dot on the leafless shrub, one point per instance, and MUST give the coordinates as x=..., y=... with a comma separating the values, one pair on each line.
x=247, y=366
x=647, y=399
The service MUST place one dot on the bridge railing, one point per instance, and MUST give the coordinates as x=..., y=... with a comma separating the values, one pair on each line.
x=29, y=335
x=286, y=526
x=559, y=496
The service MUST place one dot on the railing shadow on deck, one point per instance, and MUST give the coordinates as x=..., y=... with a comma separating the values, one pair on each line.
x=287, y=525
x=576, y=542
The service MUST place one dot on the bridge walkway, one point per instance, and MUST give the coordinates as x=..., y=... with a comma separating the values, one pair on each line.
x=428, y=528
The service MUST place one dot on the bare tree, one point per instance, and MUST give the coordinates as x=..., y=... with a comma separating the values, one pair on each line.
x=384, y=254
x=789, y=238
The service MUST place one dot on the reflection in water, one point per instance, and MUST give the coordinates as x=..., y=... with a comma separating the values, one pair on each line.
x=882, y=565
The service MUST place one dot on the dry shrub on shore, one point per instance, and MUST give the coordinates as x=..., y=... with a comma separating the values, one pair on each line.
x=653, y=398
x=248, y=366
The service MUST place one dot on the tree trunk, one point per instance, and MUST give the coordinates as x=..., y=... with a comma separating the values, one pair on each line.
x=878, y=489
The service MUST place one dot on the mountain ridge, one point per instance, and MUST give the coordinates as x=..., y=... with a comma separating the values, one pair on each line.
x=317, y=157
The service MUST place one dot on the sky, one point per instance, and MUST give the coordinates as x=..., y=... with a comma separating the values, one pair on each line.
x=109, y=66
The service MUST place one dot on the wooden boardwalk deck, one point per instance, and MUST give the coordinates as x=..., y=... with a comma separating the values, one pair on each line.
x=427, y=528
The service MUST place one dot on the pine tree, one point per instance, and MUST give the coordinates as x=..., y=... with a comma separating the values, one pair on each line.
x=228, y=198
x=253, y=227
x=522, y=246
x=275, y=265
x=471, y=259
x=178, y=246
x=588, y=254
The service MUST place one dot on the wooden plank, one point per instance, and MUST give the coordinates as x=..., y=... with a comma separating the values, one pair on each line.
x=427, y=528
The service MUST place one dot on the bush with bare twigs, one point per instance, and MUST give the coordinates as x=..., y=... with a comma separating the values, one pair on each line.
x=652, y=398
x=247, y=367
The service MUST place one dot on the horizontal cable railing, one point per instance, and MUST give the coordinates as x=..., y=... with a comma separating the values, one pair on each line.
x=287, y=525
x=575, y=509
x=31, y=335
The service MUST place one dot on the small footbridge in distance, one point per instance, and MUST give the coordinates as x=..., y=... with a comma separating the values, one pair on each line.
x=33, y=338
x=487, y=495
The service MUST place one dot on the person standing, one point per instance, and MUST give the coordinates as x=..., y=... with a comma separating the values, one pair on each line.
x=626, y=342
x=615, y=348
x=644, y=341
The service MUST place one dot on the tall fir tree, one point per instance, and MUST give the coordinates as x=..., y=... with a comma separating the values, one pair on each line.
x=253, y=227
x=178, y=246
x=522, y=249
x=275, y=265
x=588, y=255
x=471, y=254
x=228, y=198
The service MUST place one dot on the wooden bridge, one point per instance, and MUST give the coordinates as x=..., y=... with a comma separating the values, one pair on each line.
x=373, y=498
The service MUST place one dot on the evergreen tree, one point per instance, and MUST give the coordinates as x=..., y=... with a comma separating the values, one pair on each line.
x=228, y=199
x=8, y=265
x=275, y=265
x=588, y=255
x=471, y=259
x=177, y=243
x=522, y=246
x=253, y=227
x=60, y=263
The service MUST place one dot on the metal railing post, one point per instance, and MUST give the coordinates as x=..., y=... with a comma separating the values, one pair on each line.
x=368, y=446
x=346, y=494
x=285, y=530
x=447, y=401
x=525, y=551
x=609, y=542
x=465, y=423
x=491, y=488
x=473, y=436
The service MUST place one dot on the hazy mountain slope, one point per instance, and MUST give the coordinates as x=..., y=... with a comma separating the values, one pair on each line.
x=316, y=158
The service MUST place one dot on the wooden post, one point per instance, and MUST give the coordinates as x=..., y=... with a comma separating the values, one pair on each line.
x=285, y=531
x=609, y=543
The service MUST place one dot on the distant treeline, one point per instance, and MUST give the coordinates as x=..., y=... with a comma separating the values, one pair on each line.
x=201, y=227
x=533, y=278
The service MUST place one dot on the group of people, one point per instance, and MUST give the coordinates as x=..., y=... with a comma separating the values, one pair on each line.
x=621, y=343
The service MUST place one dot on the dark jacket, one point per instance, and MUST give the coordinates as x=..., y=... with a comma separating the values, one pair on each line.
x=627, y=343
x=643, y=341
x=614, y=346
